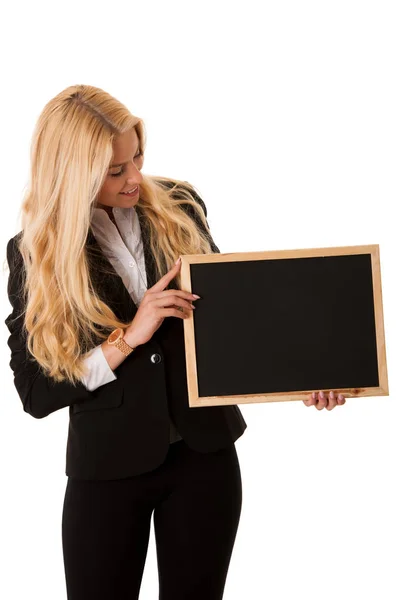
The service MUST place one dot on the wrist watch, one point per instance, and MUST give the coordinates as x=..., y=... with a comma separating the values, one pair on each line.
x=115, y=339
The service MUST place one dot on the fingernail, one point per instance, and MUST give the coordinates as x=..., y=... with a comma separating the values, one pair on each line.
x=179, y=259
x=195, y=296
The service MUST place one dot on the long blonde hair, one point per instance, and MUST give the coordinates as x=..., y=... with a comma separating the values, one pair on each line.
x=70, y=156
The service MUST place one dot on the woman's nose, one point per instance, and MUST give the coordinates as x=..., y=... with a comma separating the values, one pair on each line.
x=135, y=176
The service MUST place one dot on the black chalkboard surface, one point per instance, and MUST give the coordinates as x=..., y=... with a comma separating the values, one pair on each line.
x=277, y=325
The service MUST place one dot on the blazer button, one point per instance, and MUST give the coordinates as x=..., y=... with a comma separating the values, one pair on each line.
x=155, y=358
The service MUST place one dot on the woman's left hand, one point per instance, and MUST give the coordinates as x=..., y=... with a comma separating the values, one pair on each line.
x=325, y=400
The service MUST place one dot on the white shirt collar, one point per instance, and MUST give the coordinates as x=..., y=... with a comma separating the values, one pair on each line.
x=127, y=233
x=101, y=213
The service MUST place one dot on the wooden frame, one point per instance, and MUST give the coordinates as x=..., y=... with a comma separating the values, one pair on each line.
x=189, y=324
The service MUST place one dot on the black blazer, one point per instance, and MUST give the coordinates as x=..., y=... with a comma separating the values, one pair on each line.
x=122, y=428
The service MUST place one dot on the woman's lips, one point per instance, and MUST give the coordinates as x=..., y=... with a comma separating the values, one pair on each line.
x=132, y=193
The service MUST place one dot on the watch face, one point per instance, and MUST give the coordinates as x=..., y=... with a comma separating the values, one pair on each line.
x=114, y=335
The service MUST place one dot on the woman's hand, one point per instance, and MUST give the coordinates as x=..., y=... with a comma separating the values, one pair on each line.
x=158, y=303
x=325, y=400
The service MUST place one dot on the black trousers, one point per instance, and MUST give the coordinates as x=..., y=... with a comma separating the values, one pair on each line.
x=196, y=499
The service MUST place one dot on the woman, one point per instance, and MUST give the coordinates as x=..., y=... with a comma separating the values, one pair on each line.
x=93, y=280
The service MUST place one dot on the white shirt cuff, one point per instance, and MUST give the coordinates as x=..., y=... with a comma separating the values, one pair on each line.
x=99, y=371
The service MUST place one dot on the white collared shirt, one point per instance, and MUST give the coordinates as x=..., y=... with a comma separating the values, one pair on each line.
x=124, y=250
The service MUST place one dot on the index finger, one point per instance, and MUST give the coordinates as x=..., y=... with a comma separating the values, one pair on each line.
x=162, y=283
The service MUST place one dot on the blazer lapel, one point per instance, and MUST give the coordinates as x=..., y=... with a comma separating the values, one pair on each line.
x=107, y=282
x=150, y=263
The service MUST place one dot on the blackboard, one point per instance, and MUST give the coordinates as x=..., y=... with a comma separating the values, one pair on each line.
x=278, y=325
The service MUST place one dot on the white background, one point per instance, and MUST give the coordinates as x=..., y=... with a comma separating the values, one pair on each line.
x=285, y=116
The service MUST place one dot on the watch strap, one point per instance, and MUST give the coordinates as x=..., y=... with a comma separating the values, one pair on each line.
x=123, y=346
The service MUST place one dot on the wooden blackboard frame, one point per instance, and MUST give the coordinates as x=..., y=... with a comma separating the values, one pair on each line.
x=189, y=324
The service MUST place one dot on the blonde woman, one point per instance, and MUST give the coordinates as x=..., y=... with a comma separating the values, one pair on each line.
x=97, y=325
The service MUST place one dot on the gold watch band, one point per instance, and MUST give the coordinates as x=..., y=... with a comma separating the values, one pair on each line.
x=124, y=347
x=116, y=339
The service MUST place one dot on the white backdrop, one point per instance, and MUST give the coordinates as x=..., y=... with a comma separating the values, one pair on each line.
x=285, y=116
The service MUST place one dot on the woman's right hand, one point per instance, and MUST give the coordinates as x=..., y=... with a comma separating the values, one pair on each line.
x=158, y=303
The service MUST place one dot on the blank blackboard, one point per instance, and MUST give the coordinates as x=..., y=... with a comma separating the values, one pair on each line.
x=278, y=325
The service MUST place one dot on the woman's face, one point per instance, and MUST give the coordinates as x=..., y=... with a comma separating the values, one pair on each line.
x=123, y=174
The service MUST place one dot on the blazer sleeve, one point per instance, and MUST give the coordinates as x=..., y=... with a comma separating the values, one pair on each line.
x=40, y=395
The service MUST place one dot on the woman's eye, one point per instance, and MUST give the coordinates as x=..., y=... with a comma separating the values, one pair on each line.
x=120, y=173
